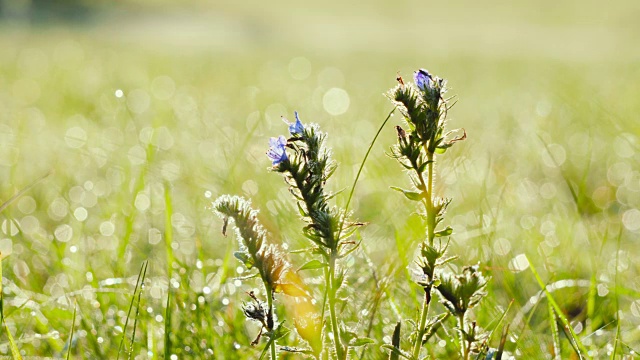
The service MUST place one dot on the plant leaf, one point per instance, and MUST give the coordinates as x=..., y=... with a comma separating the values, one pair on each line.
x=313, y=264
x=362, y=341
x=411, y=195
x=446, y=232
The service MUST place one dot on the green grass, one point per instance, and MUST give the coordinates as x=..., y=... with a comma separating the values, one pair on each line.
x=130, y=178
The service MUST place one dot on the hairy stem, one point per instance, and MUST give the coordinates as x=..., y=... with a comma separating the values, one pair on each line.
x=423, y=322
x=270, y=321
x=464, y=350
x=431, y=220
x=431, y=215
x=340, y=353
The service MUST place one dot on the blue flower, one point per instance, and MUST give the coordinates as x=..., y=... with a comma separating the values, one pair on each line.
x=296, y=127
x=423, y=79
x=276, y=150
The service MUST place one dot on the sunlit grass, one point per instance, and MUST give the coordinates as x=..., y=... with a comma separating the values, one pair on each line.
x=549, y=173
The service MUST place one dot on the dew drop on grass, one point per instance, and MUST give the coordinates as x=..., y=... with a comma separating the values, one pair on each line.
x=603, y=290
x=107, y=228
x=155, y=236
x=501, y=246
x=142, y=202
x=9, y=227
x=631, y=219
x=63, y=233
x=80, y=214
x=75, y=137
x=27, y=205
x=6, y=247
x=519, y=263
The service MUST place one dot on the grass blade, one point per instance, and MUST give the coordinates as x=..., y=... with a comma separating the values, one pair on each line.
x=555, y=334
x=73, y=327
x=617, y=304
x=500, y=320
x=15, y=352
x=168, y=229
x=133, y=298
x=135, y=320
x=167, y=326
x=366, y=155
x=580, y=349
x=24, y=190
x=395, y=341
x=503, y=341
x=130, y=219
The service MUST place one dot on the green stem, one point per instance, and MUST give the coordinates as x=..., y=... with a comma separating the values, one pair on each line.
x=423, y=322
x=431, y=221
x=270, y=314
x=431, y=215
x=340, y=353
x=463, y=342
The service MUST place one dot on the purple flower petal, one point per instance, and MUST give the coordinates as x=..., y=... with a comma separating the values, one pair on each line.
x=422, y=79
x=296, y=127
x=276, y=151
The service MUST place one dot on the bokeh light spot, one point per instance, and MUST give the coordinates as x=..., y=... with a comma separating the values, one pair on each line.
x=336, y=101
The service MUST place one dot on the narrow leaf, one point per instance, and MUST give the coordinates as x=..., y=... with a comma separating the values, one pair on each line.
x=446, y=232
x=395, y=341
x=313, y=264
x=73, y=327
x=411, y=195
x=361, y=342
x=15, y=352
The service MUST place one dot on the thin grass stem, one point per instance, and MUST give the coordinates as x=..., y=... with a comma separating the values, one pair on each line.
x=73, y=327
x=366, y=156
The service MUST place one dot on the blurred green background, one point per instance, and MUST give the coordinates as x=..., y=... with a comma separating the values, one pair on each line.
x=142, y=112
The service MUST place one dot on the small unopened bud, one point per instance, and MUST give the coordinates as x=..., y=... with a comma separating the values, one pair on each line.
x=256, y=311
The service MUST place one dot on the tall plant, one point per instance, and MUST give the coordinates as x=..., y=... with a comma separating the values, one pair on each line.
x=425, y=110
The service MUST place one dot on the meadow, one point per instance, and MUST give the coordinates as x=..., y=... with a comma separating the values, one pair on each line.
x=116, y=135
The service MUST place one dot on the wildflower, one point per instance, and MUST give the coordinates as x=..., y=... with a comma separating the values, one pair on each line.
x=295, y=128
x=422, y=79
x=276, y=150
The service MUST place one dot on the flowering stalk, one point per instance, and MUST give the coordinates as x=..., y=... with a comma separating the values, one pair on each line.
x=306, y=172
x=424, y=110
x=272, y=265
